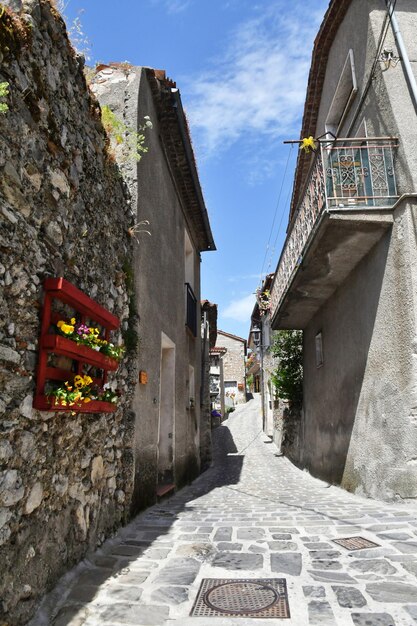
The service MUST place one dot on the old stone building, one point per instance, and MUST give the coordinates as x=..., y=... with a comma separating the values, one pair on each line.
x=262, y=364
x=166, y=193
x=68, y=479
x=347, y=272
x=233, y=367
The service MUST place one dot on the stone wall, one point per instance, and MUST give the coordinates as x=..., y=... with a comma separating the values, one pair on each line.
x=65, y=480
x=233, y=362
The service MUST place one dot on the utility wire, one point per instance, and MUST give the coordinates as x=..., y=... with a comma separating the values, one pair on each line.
x=275, y=214
x=381, y=41
x=279, y=230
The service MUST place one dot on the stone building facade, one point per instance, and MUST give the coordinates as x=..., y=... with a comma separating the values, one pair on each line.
x=347, y=272
x=66, y=481
x=166, y=193
x=233, y=367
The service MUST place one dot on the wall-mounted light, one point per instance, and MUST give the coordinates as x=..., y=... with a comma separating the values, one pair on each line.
x=256, y=334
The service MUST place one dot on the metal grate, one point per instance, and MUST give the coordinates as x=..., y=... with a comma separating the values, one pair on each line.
x=247, y=597
x=356, y=543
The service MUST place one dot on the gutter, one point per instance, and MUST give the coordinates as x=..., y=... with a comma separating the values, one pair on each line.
x=191, y=163
x=403, y=51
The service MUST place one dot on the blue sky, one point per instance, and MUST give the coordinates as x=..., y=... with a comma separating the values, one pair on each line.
x=241, y=67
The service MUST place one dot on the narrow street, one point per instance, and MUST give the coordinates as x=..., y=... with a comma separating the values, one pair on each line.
x=252, y=515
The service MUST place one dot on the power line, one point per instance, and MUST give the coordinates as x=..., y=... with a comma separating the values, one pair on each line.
x=275, y=213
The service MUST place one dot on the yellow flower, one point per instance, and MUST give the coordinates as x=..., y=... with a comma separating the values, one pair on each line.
x=64, y=402
x=87, y=399
x=308, y=144
x=59, y=324
x=87, y=380
x=78, y=381
x=66, y=328
x=73, y=320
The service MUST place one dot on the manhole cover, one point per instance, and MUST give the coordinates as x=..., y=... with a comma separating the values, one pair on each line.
x=356, y=543
x=249, y=597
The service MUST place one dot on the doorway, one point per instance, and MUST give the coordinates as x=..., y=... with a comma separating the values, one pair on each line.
x=166, y=413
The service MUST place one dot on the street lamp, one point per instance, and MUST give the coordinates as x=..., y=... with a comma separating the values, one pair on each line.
x=256, y=334
x=257, y=340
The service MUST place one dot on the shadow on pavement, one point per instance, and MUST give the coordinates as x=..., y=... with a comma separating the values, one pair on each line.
x=115, y=558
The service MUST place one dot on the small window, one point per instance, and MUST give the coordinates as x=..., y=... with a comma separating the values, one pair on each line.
x=319, y=350
x=345, y=92
x=230, y=383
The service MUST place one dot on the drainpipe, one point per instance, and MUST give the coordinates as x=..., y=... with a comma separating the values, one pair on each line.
x=403, y=51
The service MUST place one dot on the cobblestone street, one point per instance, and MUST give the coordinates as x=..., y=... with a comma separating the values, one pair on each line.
x=252, y=515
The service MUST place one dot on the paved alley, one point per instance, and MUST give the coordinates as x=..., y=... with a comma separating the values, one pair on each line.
x=252, y=515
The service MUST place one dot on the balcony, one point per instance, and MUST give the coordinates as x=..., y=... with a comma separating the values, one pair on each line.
x=191, y=309
x=345, y=209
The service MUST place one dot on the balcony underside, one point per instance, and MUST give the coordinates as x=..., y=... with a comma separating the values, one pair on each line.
x=340, y=241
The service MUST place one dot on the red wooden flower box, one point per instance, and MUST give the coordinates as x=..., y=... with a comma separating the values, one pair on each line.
x=88, y=309
x=61, y=345
x=43, y=403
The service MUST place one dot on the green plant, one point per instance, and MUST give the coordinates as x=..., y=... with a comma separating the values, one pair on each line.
x=130, y=335
x=263, y=299
x=89, y=336
x=4, y=92
x=72, y=394
x=81, y=391
x=122, y=134
x=287, y=348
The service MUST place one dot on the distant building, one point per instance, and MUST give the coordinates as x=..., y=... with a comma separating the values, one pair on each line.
x=234, y=367
x=217, y=379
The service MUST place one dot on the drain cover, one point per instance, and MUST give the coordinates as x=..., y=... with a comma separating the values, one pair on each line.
x=248, y=597
x=356, y=543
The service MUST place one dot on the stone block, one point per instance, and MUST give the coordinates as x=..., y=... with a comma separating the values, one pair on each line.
x=34, y=499
x=392, y=592
x=289, y=563
x=349, y=597
x=238, y=561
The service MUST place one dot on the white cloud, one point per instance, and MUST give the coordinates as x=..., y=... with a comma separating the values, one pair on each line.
x=240, y=310
x=239, y=278
x=258, y=87
x=174, y=6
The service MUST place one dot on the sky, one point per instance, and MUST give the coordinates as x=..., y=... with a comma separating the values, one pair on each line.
x=241, y=67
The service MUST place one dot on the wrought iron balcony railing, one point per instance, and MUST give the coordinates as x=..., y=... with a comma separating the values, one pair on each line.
x=359, y=174
x=191, y=309
x=354, y=173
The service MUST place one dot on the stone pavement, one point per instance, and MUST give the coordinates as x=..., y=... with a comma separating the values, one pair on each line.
x=252, y=515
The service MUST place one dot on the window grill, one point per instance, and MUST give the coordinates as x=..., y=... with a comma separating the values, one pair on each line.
x=191, y=304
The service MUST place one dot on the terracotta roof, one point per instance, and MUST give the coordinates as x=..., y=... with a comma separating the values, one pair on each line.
x=180, y=155
x=322, y=44
x=218, y=350
x=222, y=332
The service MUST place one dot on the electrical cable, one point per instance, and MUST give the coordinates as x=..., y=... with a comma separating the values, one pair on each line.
x=279, y=230
x=275, y=214
x=381, y=41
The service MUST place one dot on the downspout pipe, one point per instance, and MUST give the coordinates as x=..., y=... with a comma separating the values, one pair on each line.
x=403, y=52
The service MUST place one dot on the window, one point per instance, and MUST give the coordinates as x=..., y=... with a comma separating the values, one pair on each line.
x=188, y=260
x=319, y=350
x=228, y=384
x=344, y=95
